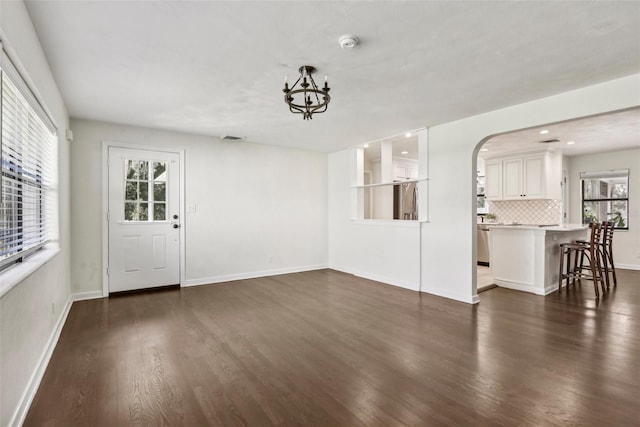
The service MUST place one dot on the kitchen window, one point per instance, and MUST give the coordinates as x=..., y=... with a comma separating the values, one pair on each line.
x=27, y=141
x=387, y=179
x=605, y=197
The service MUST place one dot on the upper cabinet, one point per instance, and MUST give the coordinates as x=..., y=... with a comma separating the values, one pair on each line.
x=404, y=169
x=524, y=177
x=493, y=180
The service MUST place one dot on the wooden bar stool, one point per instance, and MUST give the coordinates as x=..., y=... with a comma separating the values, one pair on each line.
x=605, y=246
x=607, y=252
x=574, y=254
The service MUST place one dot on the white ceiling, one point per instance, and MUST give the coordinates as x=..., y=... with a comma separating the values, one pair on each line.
x=607, y=132
x=217, y=67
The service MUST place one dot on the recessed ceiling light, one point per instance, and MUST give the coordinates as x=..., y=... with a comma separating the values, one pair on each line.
x=404, y=152
x=366, y=145
x=484, y=149
x=570, y=142
x=544, y=132
x=408, y=134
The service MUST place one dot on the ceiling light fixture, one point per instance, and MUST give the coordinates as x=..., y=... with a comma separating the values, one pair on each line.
x=544, y=132
x=570, y=142
x=404, y=152
x=407, y=135
x=484, y=149
x=305, y=97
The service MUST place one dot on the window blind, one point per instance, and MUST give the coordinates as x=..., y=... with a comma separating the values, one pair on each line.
x=27, y=136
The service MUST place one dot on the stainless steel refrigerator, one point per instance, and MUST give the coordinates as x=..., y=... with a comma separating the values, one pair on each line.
x=405, y=201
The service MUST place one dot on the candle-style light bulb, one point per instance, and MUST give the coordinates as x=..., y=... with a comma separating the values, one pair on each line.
x=326, y=78
x=285, y=79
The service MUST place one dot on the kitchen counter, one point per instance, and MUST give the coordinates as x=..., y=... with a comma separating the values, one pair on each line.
x=527, y=257
x=555, y=227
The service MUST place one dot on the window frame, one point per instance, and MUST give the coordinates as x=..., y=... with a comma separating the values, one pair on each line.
x=585, y=176
x=27, y=163
x=359, y=188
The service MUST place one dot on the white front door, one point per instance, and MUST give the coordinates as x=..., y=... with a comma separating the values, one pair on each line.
x=143, y=219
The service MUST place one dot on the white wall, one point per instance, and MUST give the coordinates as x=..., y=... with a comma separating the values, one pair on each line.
x=447, y=255
x=626, y=243
x=32, y=312
x=252, y=202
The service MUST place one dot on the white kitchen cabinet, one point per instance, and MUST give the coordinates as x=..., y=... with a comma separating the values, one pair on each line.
x=525, y=177
x=493, y=180
x=403, y=170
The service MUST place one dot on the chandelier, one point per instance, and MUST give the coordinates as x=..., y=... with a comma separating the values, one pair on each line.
x=305, y=97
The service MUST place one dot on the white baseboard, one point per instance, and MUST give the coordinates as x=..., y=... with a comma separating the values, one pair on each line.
x=378, y=278
x=474, y=299
x=36, y=377
x=252, y=275
x=408, y=285
x=82, y=296
x=628, y=266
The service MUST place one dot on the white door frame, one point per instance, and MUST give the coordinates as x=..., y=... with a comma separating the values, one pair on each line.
x=105, y=206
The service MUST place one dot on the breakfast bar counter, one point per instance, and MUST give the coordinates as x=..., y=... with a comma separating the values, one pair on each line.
x=527, y=257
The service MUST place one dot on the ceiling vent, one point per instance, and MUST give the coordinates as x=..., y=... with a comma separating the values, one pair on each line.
x=549, y=141
x=233, y=138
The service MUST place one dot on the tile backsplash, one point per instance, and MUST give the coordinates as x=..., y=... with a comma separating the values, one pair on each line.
x=527, y=211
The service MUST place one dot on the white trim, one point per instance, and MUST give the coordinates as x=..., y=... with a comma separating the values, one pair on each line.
x=398, y=182
x=525, y=287
x=405, y=284
x=252, y=275
x=36, y=377
x=15, y=274
x=473, y=299
x=22, y=70
x=83, y=296
x=387, y=222
x=408, y=285
x=627, y=266
x=105, y=205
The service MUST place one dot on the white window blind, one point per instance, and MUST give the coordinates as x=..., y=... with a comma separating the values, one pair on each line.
x=27, y=152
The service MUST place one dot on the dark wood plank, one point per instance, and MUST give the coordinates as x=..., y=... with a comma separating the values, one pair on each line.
x=327, y=348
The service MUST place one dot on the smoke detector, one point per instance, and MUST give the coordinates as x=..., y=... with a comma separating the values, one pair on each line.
x=348, y=40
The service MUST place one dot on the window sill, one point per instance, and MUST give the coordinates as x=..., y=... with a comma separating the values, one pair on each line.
x=17, y=273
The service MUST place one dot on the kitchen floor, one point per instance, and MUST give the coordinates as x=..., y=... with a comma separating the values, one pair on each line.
x=485, y=279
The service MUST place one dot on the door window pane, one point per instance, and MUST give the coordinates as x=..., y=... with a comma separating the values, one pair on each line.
x=144, y=212
x=159, y=171
x=159, y=212
x=159, y=191
x=130, y=211
x=139, y=199
x=144, y=191
x=132, y=191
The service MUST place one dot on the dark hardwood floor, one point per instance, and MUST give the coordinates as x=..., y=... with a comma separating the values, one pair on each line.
x=328, y=349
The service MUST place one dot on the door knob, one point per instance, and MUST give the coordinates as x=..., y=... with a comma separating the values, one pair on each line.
x=176, y=225
x=175, y=216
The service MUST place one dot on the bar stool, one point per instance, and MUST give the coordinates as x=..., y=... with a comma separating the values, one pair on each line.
x=607, y=251
x=605, y=246
x=576, y=252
